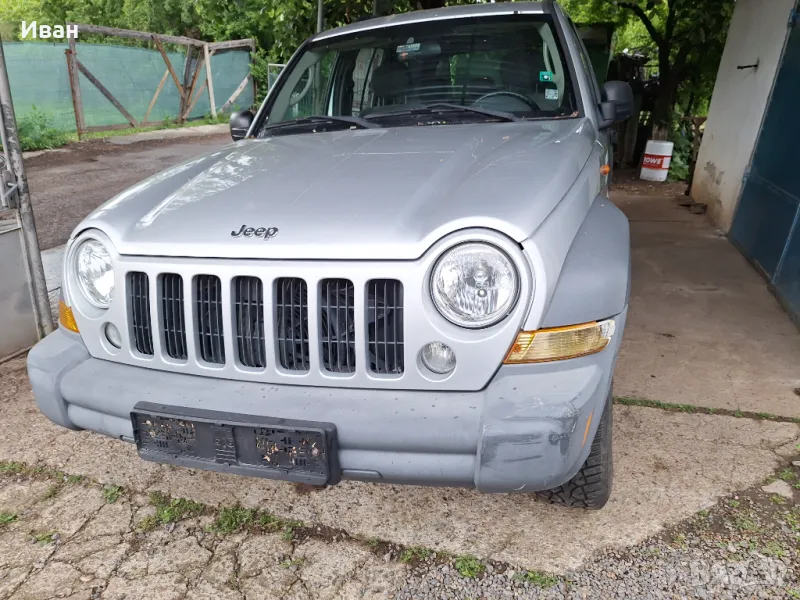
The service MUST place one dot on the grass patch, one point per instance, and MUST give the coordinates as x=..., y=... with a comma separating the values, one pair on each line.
x=777, y=499
x=537, y=579
x=237, y=518
x=14, y=468
x=111, y=493
x=626, y=401
x=288, y=564
x=207, y=120
x=170, y=510
x=703, y=410
x=7, y=517
x=48, y=537
x=469, y=566
x=266, y=521
x=233, y=519
x=787, y=475
x=415, y=554
x=679, y=541
x=37, y=131
x=745, y=524
x=793, y=519
x=51, y=492
x=775, y=549
x=289, y=529
x=19, y=468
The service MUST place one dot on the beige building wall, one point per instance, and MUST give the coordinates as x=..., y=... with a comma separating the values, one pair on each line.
x=757, y=34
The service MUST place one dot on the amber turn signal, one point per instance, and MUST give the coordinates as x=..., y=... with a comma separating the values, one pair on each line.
x=560, y=343
x=66, y=318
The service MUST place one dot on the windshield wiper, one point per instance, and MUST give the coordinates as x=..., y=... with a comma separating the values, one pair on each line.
x=355, y=122
x=439, y=107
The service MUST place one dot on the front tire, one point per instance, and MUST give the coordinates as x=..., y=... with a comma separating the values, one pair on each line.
x=590, y=489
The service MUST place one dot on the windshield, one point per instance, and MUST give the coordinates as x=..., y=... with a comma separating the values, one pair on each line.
x=428, y=73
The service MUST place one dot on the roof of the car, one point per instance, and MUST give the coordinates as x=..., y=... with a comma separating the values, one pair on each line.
x=451, y=12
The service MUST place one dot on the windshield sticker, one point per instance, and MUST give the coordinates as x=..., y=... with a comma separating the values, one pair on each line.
x=545, y=76
x=550, y=94
x=406, y=48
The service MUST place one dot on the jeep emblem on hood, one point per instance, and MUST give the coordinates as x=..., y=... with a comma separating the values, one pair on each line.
x=262, y=232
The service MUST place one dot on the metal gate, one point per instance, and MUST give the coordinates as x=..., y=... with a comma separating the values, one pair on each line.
x=766, y=226
x=24, y=305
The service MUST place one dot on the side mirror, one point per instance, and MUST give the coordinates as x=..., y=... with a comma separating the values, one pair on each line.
x=617, y=102
x=240, y=123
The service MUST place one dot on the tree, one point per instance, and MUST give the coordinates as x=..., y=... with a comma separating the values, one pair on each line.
x=686, y=36
x=689, y=37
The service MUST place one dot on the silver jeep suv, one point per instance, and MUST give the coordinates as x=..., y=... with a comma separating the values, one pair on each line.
x=405, y=269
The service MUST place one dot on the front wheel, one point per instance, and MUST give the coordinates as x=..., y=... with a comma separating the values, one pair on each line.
x=590, y=489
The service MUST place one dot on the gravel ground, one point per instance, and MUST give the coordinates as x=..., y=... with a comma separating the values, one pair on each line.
x=747, y=546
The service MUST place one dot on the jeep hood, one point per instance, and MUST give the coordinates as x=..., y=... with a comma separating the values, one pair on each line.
x=372, y=193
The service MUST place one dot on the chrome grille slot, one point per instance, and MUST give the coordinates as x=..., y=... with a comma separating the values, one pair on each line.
x=139, y=312
x=249, y=301
x=291, y=320
x=210, y=330
x=337, y=325
x=173, y=322
x=384, y=321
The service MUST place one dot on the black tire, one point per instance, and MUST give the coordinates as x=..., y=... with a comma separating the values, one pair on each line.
x=590, y=489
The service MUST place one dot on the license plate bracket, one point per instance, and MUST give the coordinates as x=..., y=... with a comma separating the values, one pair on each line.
x=257, y=446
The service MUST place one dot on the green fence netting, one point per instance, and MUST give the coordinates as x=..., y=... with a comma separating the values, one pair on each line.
x=38, y=75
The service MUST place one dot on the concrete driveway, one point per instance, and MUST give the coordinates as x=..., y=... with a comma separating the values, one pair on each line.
x=707, y=409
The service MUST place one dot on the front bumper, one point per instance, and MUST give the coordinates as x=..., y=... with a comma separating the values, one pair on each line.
x=525, y=431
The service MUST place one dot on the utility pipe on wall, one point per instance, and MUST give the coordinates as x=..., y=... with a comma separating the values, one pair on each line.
x=320, y=15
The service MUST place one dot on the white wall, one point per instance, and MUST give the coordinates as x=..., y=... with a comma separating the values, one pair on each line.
x=757, y=34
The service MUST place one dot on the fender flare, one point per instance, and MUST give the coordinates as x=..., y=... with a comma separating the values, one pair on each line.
x=595, y=281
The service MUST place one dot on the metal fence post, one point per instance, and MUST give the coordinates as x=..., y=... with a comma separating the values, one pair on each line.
x=41, y=302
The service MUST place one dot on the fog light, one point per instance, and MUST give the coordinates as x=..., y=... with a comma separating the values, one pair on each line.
x=113, y=336
x=438, y=357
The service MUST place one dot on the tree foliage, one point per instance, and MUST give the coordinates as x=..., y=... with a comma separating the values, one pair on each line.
x=685, y=38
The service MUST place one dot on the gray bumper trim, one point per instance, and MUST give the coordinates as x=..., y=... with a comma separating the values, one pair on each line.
x=524, y=431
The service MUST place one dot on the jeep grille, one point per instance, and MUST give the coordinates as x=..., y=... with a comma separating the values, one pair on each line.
x=173, y=329
x=291, y=314
x=335, y=336
x=139, y=312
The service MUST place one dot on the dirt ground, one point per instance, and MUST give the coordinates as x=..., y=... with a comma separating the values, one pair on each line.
x=67, y=185
x=707, y=414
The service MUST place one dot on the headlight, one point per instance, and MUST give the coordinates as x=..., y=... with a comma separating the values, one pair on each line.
x=94, y=271
x=474, y=285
